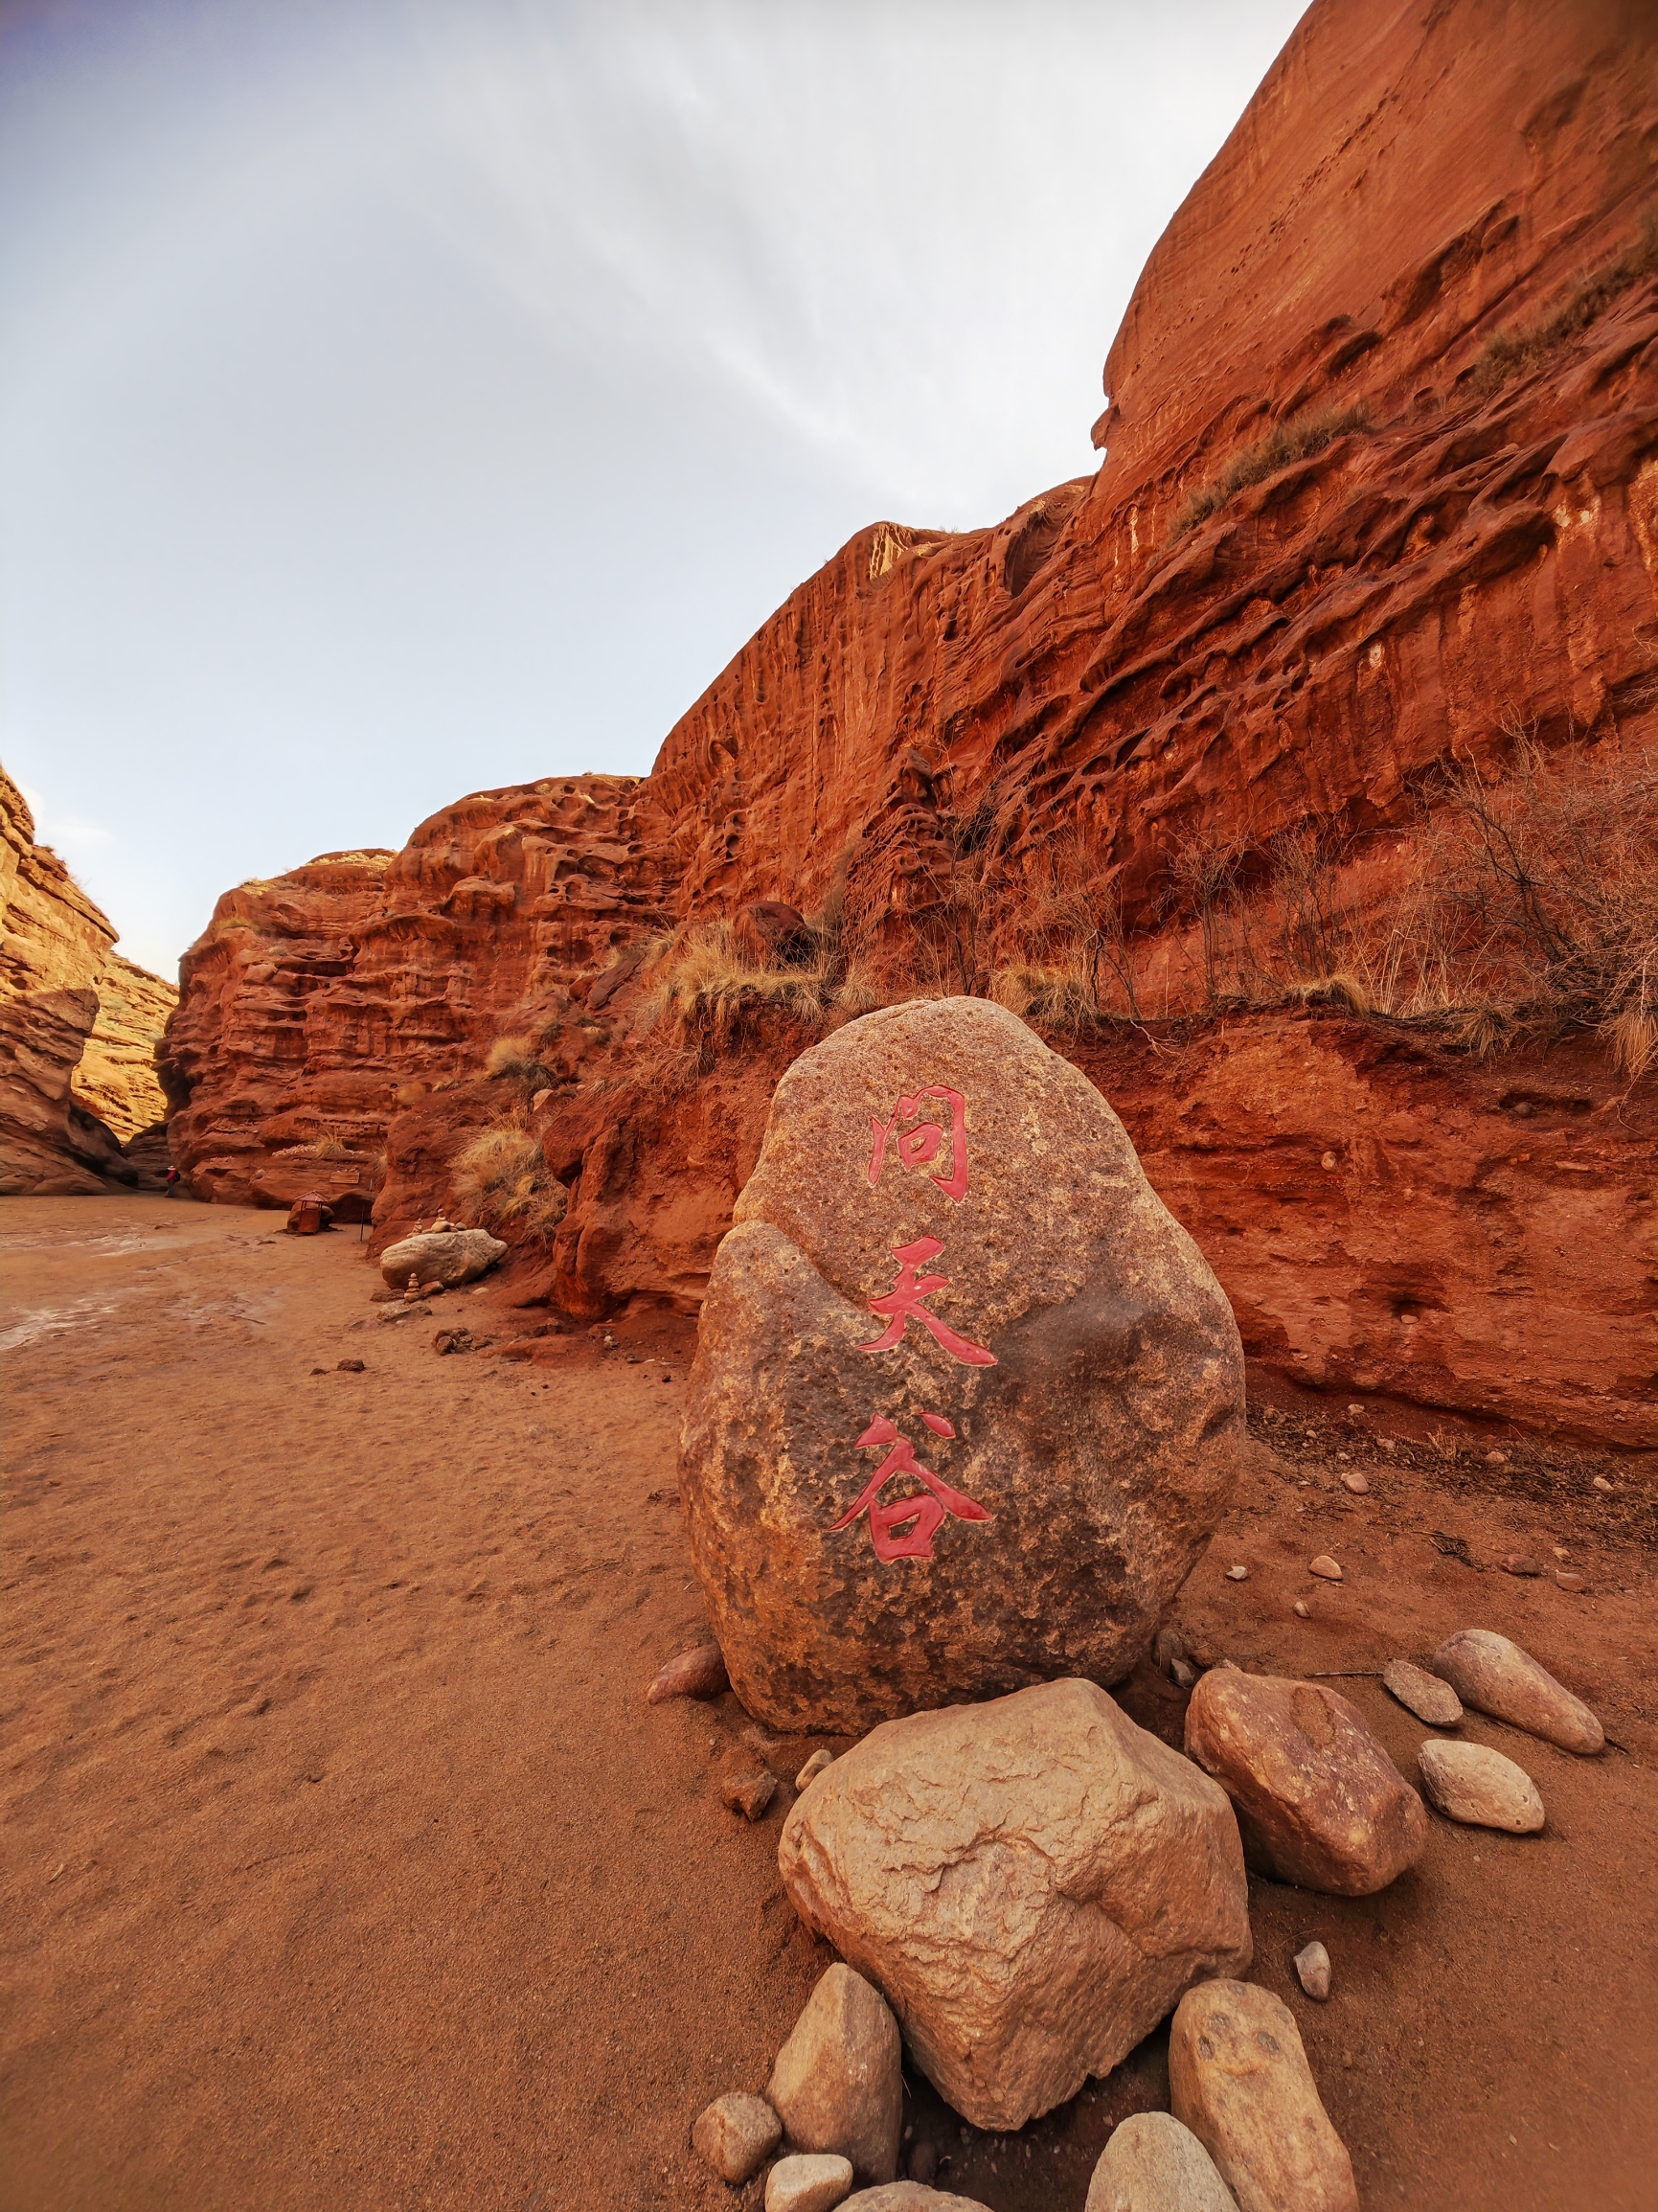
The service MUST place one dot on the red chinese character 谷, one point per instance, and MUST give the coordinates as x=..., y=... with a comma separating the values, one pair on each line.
x=902, y=1304
x=924, y=1513
x=918, y=1146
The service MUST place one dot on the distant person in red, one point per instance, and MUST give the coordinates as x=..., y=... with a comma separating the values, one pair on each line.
x=174, y=1182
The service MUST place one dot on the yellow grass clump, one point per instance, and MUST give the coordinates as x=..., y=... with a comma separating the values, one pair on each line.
x=502, y=1180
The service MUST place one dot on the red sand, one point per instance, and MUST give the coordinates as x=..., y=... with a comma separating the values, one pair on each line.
x=346, y=1865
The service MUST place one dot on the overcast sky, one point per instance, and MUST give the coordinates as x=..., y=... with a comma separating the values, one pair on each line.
x=401, y=396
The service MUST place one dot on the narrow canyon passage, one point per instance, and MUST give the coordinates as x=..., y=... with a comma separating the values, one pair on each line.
x=346, y=1865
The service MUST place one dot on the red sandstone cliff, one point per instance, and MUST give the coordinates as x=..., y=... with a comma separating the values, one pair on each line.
x=1378, y=510
x=78, y=1026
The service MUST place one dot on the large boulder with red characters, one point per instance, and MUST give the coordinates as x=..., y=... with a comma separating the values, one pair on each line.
x=967, y=1401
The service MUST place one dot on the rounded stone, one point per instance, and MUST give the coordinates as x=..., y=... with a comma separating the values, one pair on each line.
x=967, y=1401
x=1474, y=1785
x=1496, y=1676
x=736, y=2135
x=1154, y=2164
x=1312, y=1970
x=813, y=2182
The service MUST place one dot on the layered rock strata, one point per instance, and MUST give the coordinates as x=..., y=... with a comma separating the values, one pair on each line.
x=1379, y=491
x=78, y=1027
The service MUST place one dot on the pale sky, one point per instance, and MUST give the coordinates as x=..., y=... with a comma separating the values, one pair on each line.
x=403, y=397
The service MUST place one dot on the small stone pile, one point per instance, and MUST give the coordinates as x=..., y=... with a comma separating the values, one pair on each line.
x=1023, y=1889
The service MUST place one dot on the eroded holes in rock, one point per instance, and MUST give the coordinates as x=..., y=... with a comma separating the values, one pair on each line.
x=1524, y=1104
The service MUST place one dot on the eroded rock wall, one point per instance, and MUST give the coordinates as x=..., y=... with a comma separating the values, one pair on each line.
x=1128, y=668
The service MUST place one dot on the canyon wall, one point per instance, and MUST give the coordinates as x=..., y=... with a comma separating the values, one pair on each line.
x=1378, y=499
x=78, y=1027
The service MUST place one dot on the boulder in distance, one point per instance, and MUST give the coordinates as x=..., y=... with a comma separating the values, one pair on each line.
x=1318, y=1799
x=1033, y=1882
x=446, y=1256
x=967, y=1401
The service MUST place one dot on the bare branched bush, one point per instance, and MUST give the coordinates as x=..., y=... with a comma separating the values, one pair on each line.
x=502, y=1180
x=1296, y=439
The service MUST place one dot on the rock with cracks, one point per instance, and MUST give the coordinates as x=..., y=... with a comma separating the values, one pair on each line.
x=1240, y=2080
x=1318, y=1799
x=1153, y=2164
x=1496, y=1676
x=838, y=2083
x=446, y=1256
x=1033, y=1882
x=966, y=1401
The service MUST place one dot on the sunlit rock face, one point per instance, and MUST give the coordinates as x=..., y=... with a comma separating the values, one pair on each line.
x=1416, y=265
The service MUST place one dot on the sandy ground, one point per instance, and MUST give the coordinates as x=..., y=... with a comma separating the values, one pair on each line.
x=345, y=1866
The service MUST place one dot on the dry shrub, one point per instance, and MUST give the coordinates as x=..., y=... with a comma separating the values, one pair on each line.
x=500, y=1179
x=705, y=987
x=1525, y=346
x=512, y=1059
x=1297, y=439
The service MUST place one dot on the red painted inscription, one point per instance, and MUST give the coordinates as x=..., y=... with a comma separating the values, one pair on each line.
x=918, y=1146
x=902, y=1305
x=919, y=1516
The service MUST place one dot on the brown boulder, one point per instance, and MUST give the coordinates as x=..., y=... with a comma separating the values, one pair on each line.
x=1033, y=1882
x=440, y=1256
x=966, y=1399
x=1318, y=1800
x=699, y=1673
x=1240, y=2080
x=1496, y=1676
x=736, y=2135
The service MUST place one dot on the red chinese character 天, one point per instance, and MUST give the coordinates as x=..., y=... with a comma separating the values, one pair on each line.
x=918, y=1146
x=923, y=1514
x=902, y=1304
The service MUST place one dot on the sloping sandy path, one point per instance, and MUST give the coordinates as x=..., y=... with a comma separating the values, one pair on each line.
x=345, y=1868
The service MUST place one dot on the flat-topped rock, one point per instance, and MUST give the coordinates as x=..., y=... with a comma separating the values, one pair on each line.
x=1032, y=1881
x=1318, y=1800
x=1496, y=1676
x=1422, y=1694
x=966, y=1401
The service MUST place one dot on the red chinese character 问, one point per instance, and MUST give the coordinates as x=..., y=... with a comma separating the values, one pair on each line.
x=925, y=1514
x=918, y=1146
x=902, y=1304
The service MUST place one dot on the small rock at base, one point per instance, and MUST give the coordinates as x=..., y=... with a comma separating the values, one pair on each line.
x=1154, y=2164
x=737, y=2134
x=1240, y=2080
x=1567, y=1580
x=1301, y=1611
x=812, y=1768
x=816, y=2182
x=838, y=2084
x=1312, y=1970
x=1518, y=1564
x=695, y=1673
x=1358, y=1483
x=1238, y=1574
x=922, y=2161
x=1470, y=1783
x=1496, y=1676
x=1602, y=1484
x=1325, y=1567
x=349, y=1367
x=1422, y=1694
x=1182, y=1674
x=746, y=1786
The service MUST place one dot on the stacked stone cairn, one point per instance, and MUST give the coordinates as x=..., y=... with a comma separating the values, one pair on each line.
x=948, y=1247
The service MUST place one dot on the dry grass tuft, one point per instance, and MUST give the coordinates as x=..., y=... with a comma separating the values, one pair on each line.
x=512, y=1059
x=500, y=1179
x=1296, y=439
x=1516, y=352
x=705, y=988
